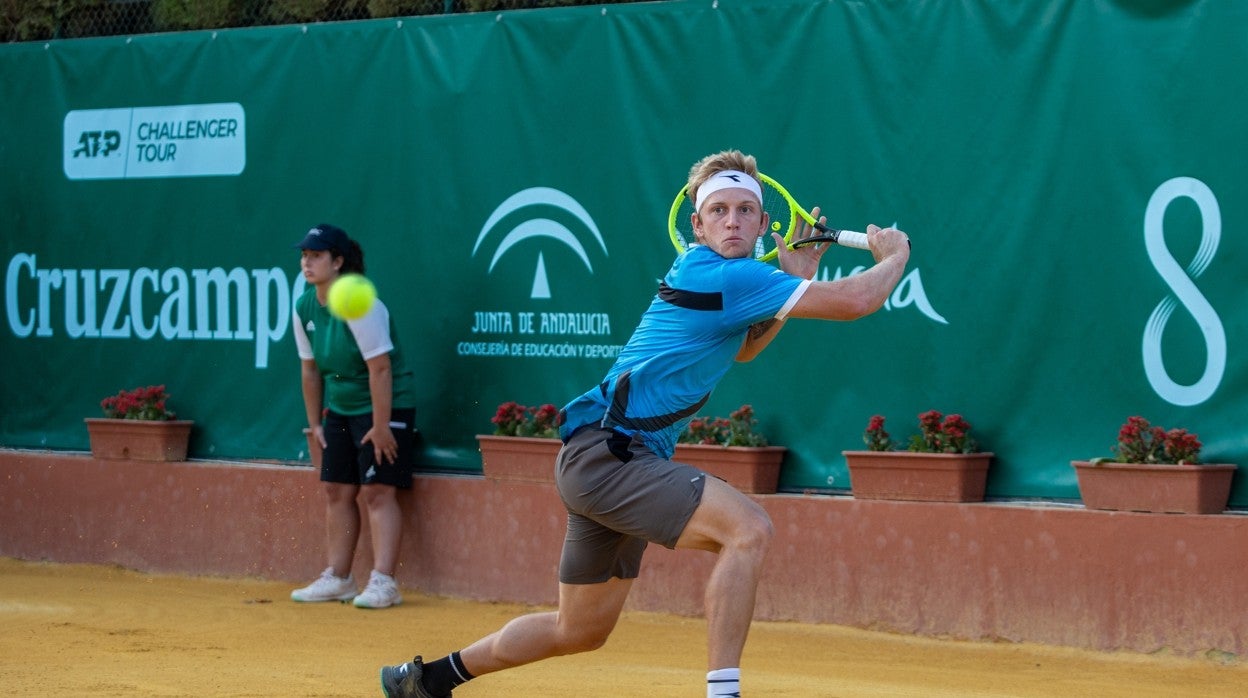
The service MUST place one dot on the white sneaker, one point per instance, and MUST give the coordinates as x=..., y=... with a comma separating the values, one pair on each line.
x=381, y=592
x=326, y=588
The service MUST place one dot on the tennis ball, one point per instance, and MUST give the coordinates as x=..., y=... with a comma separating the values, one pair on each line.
x=775, y=225
x=351, y=297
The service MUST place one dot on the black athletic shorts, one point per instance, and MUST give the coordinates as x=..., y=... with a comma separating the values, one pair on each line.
x=346, y=461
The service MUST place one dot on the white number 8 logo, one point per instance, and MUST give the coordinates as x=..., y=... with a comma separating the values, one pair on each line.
x=1184, y=291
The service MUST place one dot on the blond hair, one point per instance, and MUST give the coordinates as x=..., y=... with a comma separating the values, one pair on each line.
x=705, y=168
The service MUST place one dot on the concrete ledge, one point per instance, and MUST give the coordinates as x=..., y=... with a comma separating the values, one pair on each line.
x=1054, y=575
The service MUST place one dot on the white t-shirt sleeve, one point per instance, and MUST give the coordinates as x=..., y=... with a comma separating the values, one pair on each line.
x=793, y=299
x=372, y=332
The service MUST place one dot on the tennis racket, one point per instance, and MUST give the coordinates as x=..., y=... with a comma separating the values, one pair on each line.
x=782, y=209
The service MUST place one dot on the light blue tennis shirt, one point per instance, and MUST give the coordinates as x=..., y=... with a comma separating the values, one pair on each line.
x=685, y=343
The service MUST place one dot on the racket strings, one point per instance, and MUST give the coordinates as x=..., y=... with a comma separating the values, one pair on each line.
x=781, y=217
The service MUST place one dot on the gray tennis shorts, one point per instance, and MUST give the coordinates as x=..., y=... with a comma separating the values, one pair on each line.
x=619, y=495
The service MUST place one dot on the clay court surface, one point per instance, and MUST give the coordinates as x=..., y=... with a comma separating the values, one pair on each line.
x=88, y=630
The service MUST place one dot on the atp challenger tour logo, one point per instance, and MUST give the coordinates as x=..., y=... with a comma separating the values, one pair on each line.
x=545, y=333
x=189, y=140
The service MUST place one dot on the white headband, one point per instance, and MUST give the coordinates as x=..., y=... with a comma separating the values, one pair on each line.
x=728, y=179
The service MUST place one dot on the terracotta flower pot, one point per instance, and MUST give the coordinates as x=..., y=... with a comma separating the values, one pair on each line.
x=750, y=469
x=753, y=470
x=1176, y=489
x=134, y=439
x=918, y=477
x=518, y=457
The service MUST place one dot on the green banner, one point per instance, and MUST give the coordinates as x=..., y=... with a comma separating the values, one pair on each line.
x=1070, y=173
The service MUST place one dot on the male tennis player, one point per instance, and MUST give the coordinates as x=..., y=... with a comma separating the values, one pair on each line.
x=614, y=473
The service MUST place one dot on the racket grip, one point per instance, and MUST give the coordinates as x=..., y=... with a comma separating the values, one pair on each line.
x=849, y=238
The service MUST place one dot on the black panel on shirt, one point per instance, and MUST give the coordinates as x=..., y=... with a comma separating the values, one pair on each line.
x=691, y=300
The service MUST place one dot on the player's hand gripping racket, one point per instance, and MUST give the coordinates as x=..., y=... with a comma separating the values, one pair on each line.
x=784, y=213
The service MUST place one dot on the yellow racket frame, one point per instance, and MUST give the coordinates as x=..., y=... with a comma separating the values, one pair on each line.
x=771, y=189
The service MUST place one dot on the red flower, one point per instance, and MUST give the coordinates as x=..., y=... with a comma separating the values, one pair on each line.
x=937, y=434
x=736, y=430
x=875, y=437
x=514, y=419
x=148, y=404
x=1141, y=442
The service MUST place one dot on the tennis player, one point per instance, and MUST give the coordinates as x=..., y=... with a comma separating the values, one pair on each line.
x=716, y=305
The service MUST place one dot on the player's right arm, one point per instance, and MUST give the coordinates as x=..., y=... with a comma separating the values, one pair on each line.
x=859, y=295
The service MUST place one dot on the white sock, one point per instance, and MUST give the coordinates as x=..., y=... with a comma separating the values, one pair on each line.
x=723, y=683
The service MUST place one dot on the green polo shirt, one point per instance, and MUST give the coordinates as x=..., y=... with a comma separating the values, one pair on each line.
x=339, y=348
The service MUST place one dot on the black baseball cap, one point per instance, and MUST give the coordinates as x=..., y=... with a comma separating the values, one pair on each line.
x=326, y=237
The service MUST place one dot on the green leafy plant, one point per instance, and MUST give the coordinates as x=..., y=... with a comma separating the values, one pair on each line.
x=146, y=404
x=938, y=433
x=183, y=15
x=738, y=429
x=514, y=419
x=1141, y=442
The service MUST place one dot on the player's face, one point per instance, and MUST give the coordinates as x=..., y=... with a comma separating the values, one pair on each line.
x=318, y=266
x=730, y=222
